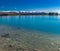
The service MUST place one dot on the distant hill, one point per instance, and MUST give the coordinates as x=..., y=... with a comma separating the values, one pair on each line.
x=7, y=13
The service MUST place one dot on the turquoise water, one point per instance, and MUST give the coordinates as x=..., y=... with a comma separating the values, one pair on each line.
x=29, y=33
x=49, y=24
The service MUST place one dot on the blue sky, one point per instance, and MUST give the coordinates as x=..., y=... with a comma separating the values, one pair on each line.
x=29, y=4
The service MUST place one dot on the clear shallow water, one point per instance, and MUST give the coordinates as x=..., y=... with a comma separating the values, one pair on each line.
x=42, y=23
x=29, y=33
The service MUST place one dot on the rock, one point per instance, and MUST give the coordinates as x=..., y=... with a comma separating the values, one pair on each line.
x=2, y=49
x=34, y=49
x=52, y=43
x=10, y=46
x=58, y=49
x=39, y=49
x=20, y=49
x=5, y=35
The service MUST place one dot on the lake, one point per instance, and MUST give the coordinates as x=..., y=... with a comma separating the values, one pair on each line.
x=42, y=23
x=30, y=33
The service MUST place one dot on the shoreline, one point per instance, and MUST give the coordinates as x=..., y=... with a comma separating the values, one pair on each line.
x=27, y=40
x=13, y=13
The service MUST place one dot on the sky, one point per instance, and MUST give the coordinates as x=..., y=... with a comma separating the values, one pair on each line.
x=30, y=5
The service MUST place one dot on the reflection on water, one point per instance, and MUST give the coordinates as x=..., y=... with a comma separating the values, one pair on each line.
x=29, y=33
x=42, y=23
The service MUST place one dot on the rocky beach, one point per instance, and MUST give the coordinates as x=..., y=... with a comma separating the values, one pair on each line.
x=13, y=39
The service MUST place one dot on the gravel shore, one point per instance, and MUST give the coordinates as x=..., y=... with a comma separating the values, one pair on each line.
x=14, y=39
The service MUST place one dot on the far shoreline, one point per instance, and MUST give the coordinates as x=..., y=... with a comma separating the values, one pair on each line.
x=14, y=13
